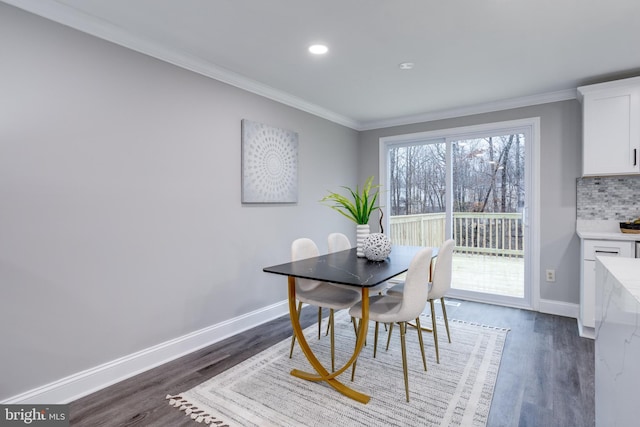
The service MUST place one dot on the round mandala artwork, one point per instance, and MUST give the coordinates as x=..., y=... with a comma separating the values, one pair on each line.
x=376, y=247
x=269, y=164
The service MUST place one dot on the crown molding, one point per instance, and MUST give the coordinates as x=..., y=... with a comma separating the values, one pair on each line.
x=507, y=104
x=102, y=29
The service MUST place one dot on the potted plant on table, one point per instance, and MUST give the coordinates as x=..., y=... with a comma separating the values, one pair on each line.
x=358, y=208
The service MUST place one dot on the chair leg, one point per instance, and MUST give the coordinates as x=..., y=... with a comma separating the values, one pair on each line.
x=385, y=325
x=403, y=329
x=446, y=322
x=333, y=355
x=293, y=338
x=328, y=326
x=424, y=359
x=435, y=331
x=319, y=320
x=389, y=335
x=375, y=341
x=355, y=328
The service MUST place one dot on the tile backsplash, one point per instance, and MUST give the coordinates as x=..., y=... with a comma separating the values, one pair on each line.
x=608, y=198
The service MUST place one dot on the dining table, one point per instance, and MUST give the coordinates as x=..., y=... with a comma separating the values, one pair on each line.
x=347, y=269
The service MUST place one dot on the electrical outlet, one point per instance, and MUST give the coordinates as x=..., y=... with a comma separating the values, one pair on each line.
x=551, y=275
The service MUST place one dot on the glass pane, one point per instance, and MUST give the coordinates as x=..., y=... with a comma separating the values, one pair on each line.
x=488, y=194
x=417, y=194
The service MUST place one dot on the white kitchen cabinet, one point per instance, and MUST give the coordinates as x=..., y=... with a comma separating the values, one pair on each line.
x=611, y=128
x=591, y=249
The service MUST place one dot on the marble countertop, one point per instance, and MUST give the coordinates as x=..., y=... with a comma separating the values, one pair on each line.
x=626, y=271
x=617, y=347
x=603, y=230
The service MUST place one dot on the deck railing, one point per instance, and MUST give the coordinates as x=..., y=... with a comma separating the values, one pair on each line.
x=498, y=234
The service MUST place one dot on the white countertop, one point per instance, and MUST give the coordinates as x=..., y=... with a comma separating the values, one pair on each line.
x=617, y=347
x=626, y=271
x=603, y=230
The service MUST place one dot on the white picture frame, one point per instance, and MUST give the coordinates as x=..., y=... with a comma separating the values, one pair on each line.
x=269, y=164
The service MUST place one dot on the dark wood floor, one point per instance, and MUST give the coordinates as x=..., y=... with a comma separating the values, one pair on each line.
x=546, y=376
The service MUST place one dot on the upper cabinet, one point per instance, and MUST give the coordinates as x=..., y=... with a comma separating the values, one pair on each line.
x=611, y=128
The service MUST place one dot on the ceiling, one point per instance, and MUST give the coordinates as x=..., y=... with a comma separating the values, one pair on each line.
x=470, y=56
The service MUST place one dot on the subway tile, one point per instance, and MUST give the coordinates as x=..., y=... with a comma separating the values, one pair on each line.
x=608, y=198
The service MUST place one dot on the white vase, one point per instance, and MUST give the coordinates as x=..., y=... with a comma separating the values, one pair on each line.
x=362, y=231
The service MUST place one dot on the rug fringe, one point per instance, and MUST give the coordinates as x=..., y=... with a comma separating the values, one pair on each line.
x=464, y=322
x=497, y=328
x=195, y=413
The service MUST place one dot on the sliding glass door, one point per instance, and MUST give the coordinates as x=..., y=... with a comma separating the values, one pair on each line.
x=471, y=185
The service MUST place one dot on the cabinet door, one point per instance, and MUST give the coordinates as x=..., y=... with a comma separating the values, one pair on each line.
x=611, y=125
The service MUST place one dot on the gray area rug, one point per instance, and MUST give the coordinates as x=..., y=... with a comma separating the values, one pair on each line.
x=261, y=392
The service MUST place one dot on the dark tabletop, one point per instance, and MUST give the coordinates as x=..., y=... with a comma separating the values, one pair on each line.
x=346, y=268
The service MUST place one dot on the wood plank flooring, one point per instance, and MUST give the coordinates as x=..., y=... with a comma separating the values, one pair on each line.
x=547, y=371
x=546, y=376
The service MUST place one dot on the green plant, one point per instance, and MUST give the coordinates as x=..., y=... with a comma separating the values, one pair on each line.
x=359, y=208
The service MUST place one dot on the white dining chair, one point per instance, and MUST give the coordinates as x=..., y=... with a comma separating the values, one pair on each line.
x=320, y=294
x=337, y=242
x=403, y=308
x=438, y=287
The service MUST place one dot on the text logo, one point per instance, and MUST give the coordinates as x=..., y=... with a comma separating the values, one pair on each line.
x=34, y=415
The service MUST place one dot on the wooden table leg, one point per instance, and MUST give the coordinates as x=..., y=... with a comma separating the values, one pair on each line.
x=323, y=374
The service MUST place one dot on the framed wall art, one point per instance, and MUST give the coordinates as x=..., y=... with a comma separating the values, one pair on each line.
x=269, y=164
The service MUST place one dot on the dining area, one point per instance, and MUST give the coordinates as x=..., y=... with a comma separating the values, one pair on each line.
x=133, y=257
x=358, y=350
x=364, y=288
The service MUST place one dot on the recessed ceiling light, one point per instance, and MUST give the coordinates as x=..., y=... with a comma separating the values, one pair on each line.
x=318, y=49
x=406, y=65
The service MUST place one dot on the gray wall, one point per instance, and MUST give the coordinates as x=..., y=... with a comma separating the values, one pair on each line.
x=121, y=224
x=560, y=165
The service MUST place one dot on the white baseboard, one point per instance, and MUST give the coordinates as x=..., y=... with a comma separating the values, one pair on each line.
x=80, y=384
x=567, y=310
x=559, y=308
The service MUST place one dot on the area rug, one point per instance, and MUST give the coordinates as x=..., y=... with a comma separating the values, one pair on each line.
x=261, y=392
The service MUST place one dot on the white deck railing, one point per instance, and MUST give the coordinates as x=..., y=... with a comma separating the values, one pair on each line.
x=499, y=234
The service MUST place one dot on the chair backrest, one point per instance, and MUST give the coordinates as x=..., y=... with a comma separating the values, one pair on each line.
x=416, y=289
x=442, y=271
x=300, y=249
x=338, y=242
